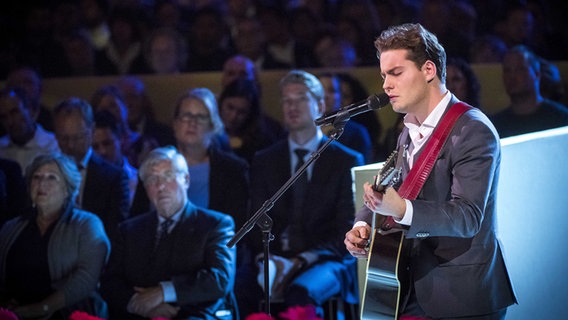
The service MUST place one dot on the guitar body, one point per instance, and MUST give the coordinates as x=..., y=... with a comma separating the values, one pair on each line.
x=381, y=292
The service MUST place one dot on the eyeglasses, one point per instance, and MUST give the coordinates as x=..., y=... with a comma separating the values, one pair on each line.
x=198, y=118
x=158, y=179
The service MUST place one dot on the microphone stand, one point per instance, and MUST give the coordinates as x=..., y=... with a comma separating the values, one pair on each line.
x=263, y=220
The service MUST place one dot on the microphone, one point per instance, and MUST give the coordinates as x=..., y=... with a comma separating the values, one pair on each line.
x=373, y=102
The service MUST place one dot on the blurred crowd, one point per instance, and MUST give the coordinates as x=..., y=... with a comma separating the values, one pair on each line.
x=62, y=38
x=83, y=174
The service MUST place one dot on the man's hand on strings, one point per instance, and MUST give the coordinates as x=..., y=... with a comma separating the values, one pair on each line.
x=388, y=204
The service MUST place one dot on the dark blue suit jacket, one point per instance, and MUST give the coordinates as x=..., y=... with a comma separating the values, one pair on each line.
x=195, y=258
x=328, y=207
x=106, y=193
x=454, y=254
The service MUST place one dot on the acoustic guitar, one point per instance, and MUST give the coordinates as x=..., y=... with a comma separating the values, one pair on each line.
x=381, y=291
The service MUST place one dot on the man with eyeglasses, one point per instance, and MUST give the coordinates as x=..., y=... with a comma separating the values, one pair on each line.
x=104, y=188
x=201, y=139
x=312, y=264
x=173, y=261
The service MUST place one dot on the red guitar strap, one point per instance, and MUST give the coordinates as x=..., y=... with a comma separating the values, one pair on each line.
x=417, y=176
x=415, y=179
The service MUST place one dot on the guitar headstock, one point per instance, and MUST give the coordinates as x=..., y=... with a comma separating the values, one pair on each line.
x=388, y=175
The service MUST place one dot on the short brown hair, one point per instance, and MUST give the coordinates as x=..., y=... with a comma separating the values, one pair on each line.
x=422, y=45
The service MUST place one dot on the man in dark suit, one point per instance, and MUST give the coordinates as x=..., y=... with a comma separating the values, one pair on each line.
x=227, y=171
x=104, y=188
x=141, y=118
x=455, y=267
x=171, y=262
x=311, y=261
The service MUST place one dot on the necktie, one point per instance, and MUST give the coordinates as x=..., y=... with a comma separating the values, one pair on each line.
x=163, y=232
x=291, y=239
x=301, y=184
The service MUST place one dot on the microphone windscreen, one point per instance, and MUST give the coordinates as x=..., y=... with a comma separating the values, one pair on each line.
x=378, y=101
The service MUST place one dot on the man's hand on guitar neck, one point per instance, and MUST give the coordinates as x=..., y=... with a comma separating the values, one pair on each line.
x=357, y=240
x=388, y=203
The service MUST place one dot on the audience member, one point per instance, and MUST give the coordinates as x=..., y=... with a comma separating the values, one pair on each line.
x=52, y=256
x=141, y=118
x=489, y=12
x=528, y=111
x=349, y=30
x=134, y=146
x=197, y=126
x=487, y=49
x=312, y=264
x=13, y=198
x=66, y=18
x=355, y=135
x=244, y=122
x=172, y=262
x=305, y=25
x=453, y=22
x=462, y=81
x=365, y=14
x=463, y=26
x=238, y=10
x=280, y=42
x=209, y=37
x=170, y=14
x=95, y=14
x=30, y=81
x=238, y=66
x=353, y=91
x=166, y=52
x=24, y=138
x=250, y=42
x=123, y=54
x=517, y=26
x=104, y=187
x=107, y=144
x=524, y=23
x=79, y=57
x=332, y=51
